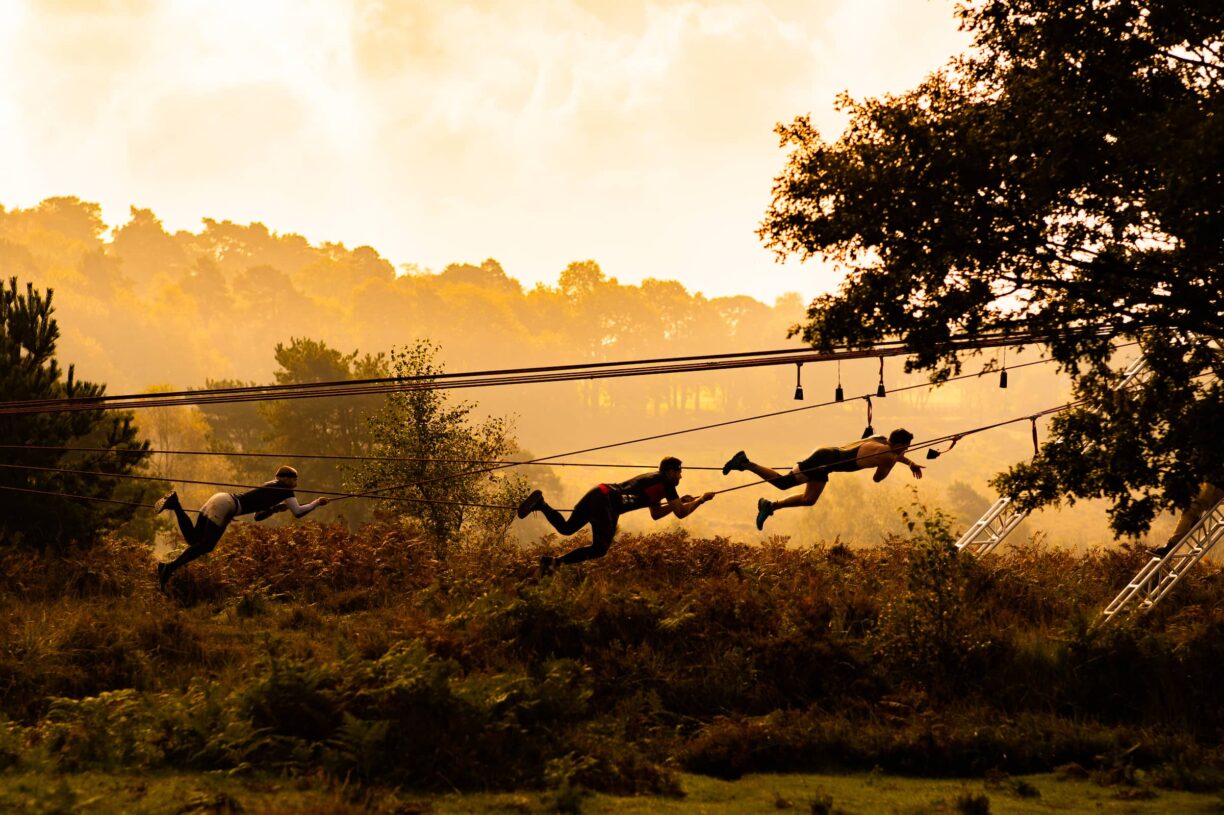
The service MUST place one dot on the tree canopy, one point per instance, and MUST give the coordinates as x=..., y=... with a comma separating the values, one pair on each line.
x=1065, y=173
x=431, y=450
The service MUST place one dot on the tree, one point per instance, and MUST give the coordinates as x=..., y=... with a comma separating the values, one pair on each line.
x=1064, y=174
x=328, y=426
x=334, y=426
x=146, y=249
x=442, y=442
x=185, y=428
x=29, y=370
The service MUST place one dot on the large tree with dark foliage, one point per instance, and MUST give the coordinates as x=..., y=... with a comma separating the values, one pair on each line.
x=31, y=514
x=1067, y=172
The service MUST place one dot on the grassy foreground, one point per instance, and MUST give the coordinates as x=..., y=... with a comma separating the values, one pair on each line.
x=337, y=666
x=95, y=793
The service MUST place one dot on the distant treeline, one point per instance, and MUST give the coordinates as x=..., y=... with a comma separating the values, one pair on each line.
x=139, y=305
x=141, y=308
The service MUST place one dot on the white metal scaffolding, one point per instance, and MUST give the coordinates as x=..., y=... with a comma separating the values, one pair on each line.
x=1004, y=516
x=1161, y=574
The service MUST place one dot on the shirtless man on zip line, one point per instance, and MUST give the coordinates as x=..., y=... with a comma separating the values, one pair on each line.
x=873, y=452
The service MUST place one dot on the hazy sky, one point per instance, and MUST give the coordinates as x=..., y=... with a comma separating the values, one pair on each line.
x=636, y=134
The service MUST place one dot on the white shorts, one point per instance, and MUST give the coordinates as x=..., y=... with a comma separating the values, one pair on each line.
x=220, y=509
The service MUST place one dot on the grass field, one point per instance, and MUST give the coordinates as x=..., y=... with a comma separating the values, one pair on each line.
x=864, y=794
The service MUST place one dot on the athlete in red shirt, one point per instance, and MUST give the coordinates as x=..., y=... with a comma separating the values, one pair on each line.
x=605, y=503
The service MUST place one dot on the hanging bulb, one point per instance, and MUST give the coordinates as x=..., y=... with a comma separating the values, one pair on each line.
x=798, y=383
x=932, y=453
x=867, y=431
x=880, y=387
x=870, y=430
x=839, y=395
x=1003, y=378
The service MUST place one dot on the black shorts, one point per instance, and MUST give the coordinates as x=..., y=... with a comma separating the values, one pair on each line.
x=820, y=463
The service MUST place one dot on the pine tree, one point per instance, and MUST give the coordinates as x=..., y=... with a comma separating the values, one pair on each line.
x=30, y=371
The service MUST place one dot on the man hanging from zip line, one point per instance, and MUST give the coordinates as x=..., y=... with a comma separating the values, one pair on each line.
x=264, y=501
x=873, y=451
x=603, y=505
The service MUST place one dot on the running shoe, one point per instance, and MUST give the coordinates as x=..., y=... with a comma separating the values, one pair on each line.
x=764, y=510
x=739, y=461
x=168, y=501
x=531, y=503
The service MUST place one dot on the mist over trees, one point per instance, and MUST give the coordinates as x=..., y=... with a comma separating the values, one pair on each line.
x=142, y=308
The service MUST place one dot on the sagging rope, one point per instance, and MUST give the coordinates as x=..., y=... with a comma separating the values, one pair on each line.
x=555, y=373
x=377, y=493
x=657, y=436
x=341, y=495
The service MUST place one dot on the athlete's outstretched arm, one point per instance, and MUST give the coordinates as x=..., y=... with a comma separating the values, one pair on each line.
x=682, y=507
x=299, y=510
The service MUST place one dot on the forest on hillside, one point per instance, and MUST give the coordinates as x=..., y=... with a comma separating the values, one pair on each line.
x=144, y=309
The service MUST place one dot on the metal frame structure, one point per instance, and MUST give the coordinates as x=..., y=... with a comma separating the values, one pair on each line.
x=1161, y=574
x=1003, y=516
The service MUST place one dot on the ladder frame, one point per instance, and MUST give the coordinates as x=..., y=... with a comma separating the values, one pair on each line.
x=1002, y=518
x=1160, y=574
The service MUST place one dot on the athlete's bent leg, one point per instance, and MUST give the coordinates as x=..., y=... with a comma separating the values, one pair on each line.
x=203, y=540
x=811, y=494
x=578, y=518
x=603, y=527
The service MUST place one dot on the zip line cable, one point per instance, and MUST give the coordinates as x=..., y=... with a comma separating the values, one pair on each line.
x=80, y=497
x=954, y=437
x=340, y=495
x=135, y=477
x=664, y=435
x=913, y=447
x=491, y=378
x=541, y=462
x=373, y=493
x=1032, y=417
x=347, y=458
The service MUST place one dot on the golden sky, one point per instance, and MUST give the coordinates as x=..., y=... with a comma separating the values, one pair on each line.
x=636, y=134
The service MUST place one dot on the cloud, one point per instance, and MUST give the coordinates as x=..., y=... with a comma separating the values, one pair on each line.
x=536, y=132
x=227, y=132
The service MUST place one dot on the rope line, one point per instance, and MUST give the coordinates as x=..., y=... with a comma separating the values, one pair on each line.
x=954, y=437
x=328, y=493
x=544, y=461
x=81, y=497
x=282, y=456
x=662, y=435
x=916, y=446
x=497, y=377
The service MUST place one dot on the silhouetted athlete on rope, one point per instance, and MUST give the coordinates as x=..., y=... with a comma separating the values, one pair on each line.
x=264, y=501
x=874, y=451
x=605, y=503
